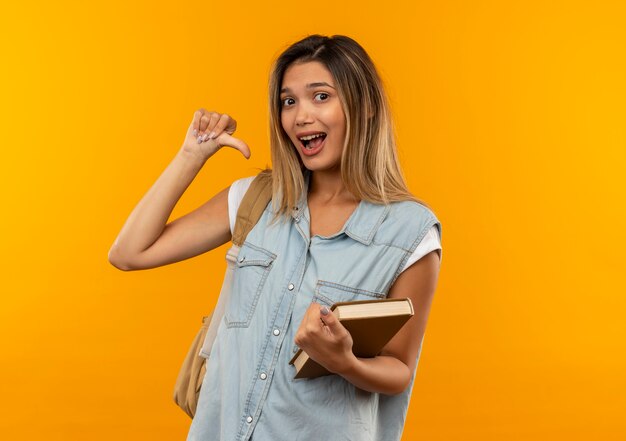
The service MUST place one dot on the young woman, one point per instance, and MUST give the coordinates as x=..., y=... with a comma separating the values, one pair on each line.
x=342, y=226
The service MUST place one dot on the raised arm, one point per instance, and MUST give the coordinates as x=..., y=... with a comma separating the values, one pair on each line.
x=146, y=241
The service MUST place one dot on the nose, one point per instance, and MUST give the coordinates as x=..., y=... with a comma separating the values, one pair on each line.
x=303, y=115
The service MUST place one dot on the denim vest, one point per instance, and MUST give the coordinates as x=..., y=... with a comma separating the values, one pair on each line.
x=248, y=391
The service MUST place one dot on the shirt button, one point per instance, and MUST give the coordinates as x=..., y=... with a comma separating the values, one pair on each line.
x=297, y=219
x=276, y=331
x=263, y=376
x=241, y=259
x=291, y=287
x=249, y=419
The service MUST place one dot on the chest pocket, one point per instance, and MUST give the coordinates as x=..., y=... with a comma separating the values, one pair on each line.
x=251, y=270
x=328, y=293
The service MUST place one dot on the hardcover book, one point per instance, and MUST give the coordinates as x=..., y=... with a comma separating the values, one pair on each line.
x=371, y=323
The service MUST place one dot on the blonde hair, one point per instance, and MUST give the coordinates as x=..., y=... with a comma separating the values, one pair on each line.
x=370, y=168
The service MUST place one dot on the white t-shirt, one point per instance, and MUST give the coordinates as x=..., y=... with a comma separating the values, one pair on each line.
x=430, y=242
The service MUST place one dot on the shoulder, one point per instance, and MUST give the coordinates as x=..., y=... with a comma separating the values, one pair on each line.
x=235, y=196
x=238, y=190
x=410, y=209
x=406, y=224
x=241, y=185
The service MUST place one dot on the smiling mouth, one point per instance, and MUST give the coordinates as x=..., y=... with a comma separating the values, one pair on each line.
x=313, y=141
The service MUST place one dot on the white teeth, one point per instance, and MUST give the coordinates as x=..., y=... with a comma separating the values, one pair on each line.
x=310, y=137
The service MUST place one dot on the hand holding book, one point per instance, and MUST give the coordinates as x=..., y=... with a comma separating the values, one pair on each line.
x=322, y=336
x=369, y=325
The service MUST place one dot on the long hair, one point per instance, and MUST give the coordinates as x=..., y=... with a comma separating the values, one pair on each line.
x=370, y=168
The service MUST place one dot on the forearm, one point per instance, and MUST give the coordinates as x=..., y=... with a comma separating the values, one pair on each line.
x=148, y=219
x=382, y=374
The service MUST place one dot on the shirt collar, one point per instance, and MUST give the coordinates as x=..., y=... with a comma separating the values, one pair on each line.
x=362, y=223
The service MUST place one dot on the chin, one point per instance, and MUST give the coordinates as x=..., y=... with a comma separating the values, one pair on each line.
x=320, y=165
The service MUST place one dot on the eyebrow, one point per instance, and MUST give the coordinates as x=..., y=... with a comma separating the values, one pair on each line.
x=308, y=86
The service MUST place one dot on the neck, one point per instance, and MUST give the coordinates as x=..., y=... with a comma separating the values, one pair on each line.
x=328, y=185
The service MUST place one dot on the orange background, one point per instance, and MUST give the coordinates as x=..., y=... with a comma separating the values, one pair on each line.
x=511, y=121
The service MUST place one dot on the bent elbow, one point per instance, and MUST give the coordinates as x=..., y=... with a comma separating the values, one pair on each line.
x=115, y=260
x=404, y=388
x=402, y=385
x=398, y=389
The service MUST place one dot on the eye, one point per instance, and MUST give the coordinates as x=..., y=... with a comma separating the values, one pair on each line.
x=285, y=102
x=323, y=95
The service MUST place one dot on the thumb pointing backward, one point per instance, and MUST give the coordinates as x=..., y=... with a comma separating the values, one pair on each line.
x=230, y=141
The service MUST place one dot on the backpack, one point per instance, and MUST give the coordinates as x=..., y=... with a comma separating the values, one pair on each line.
x=191, y=374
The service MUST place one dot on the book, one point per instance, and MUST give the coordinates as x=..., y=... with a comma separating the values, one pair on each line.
x=371, y=323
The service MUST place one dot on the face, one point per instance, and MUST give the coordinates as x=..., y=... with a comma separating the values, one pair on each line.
x=312, y=116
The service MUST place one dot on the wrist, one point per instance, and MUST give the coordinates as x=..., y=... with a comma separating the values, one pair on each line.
x=192, y=156
x=349, y=366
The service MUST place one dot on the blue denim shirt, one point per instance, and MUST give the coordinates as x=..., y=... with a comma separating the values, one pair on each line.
x=249, y=391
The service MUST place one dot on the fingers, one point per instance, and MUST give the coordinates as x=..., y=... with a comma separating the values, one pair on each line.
x=196, y=121
x=200, y=122
x=314, y=320
x=212, y=125
x=322, y=315
x=209, y=125
x=329, y=319
x=213, y=119
x=206, y=120
x=303, y=333
x=219, y=124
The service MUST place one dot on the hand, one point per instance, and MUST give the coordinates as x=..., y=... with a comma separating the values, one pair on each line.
x=209, y=131
x=325, y=339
